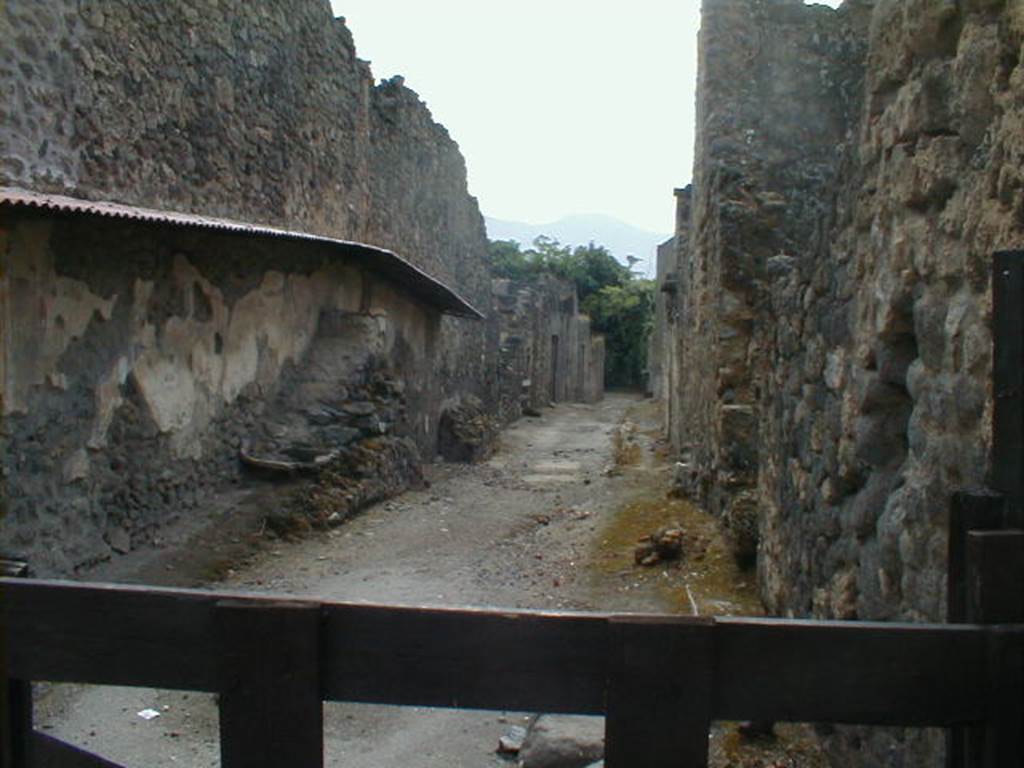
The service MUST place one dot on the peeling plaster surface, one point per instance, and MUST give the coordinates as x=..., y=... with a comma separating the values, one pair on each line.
x=138, y=358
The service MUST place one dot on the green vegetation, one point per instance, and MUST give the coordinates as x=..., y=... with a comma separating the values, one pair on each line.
x=620, y=304
x=625, y=314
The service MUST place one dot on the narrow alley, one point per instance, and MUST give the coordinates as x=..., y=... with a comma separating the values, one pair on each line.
x=550, y=522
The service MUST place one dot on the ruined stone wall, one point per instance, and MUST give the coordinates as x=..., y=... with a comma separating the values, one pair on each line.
x=258, y=112
x=420, y=207
x=855, y=171
x=548, y=352
x=657, y=343
x=892, y=325
x=674, y=271
x=593, y=384
x=589, y=385
x=254, y=111
x=772, y=109
x=141, y=358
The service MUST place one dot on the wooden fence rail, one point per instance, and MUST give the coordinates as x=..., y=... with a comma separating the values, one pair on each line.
x=660, y=680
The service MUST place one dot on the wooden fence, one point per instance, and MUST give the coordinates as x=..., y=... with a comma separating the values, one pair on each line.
x=659, y=680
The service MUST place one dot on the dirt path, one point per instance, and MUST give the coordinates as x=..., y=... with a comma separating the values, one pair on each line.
x=548, y=523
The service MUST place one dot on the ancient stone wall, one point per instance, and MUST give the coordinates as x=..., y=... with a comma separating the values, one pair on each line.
x=771, y=111
x=140, y=359
x=257, y=112
x=656, y=343
x=855, y=171
x=591, y=362
x=254, y=111
x=420, y=208
x=670, y=310
x=548, y=352
x=892, y=325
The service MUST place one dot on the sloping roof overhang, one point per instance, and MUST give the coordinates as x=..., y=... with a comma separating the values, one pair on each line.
x=387, y=263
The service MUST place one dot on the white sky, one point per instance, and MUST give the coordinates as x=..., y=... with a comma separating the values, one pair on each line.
x=559, y=106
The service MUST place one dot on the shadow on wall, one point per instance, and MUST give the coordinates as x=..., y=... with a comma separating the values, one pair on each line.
x=140, y=358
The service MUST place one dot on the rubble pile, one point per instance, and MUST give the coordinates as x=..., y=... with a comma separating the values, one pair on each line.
x=664, y=544
x=466, y=432
x=669, y=543
x=370, y=471
x=307, y=438
x=346, y=443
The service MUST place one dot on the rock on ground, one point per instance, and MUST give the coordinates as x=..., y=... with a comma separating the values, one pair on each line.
x=563, y=741
x=466, y=432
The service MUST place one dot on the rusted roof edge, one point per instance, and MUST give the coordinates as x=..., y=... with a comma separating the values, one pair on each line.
x=390, y=264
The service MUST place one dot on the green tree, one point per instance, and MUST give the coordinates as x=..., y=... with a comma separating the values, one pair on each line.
x=549, y=253
x=509, y=260
x=625, y=314
x=591, y=267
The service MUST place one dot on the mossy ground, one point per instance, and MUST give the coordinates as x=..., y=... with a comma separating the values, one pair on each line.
x=707, y=580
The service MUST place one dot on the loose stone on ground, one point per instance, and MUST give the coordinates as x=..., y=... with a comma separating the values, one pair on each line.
x=563, y=741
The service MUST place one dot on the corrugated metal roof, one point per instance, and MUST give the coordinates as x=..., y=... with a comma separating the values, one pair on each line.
x=428, y=289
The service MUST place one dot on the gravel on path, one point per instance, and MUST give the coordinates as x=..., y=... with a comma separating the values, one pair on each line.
x=547, y=523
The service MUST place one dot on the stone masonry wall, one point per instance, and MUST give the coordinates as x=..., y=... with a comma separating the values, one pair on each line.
x=548, y=353
x=257, y=112
x=673, y=270
x=656, y=344
x=589, y=387
x=254, y=111
x=420, y=208
x=931, y=189
x=670, y=313
x=772, y=108
x=856, y=169
x=140, y=359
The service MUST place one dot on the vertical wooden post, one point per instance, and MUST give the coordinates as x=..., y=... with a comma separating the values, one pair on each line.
x=660, y=692
x=1003, y=741
x=982, y=510
x=16, y=741
x=978, y=511
x=995, y=573
x=1008, y=379
x=15, y=695
x=986, y=573
x=271, y=707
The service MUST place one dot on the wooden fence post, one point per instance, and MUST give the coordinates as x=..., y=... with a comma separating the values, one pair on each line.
x=1008, y=379
x=271, y=706
x=985, y=571
x=1003, y=738
x=15, y=695
x=995, y=574
x=660, y=692
x=980, y=510
x=16, y=740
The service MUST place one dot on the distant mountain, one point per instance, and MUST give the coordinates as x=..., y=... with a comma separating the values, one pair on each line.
x=620, y=238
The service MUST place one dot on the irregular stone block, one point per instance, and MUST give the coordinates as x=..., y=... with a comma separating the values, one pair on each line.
x=563, y=741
